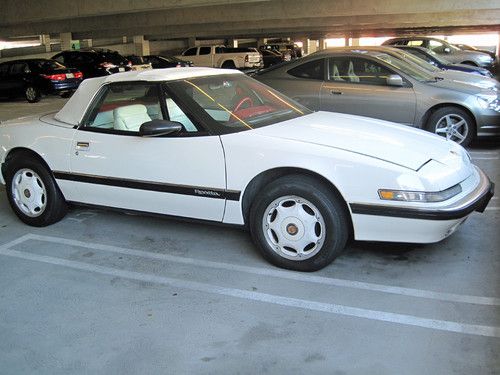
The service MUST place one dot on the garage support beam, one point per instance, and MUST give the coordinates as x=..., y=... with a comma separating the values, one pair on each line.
x=322, y=44
x=45, y=41
x=141, y=45
x=65, y=41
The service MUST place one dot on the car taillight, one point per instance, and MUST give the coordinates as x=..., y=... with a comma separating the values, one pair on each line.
x=54, y=77
x=78, y=75
x=107, y=65
x=178, y=65
x=129, y=63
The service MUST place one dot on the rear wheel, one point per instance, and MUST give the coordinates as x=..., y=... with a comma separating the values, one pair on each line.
x=32, y=94
x=228, y=65
x=33, y=193
x=299, y=224
x=453, y=124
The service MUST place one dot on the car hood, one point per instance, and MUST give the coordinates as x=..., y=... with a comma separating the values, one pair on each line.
x=481, y=82
x=456, y=85
x=393, y=143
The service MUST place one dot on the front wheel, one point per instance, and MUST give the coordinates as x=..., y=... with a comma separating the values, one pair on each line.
x=299, y=224
x=453, y=124
x=32, y=192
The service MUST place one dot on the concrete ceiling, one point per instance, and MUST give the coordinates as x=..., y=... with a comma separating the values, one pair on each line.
x=244, y=18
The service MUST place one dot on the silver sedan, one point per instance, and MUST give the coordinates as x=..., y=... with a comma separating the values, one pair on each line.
x=375, y=84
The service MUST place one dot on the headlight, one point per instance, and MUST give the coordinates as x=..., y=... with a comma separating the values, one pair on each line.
x=488, y=102
x=419, y=196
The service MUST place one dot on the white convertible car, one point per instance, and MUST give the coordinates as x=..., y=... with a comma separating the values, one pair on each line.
x=216, y=145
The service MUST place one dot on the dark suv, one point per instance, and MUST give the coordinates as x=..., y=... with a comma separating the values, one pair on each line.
x=94, y=62
x=33, y=77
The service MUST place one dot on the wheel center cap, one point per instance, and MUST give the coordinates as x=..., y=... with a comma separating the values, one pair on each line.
x=27, y=193
x=292, y=229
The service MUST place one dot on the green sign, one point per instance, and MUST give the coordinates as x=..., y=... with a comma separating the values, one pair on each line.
x=75, y=44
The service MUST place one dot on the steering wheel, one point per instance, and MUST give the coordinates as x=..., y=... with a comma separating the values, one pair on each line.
x=242, y=101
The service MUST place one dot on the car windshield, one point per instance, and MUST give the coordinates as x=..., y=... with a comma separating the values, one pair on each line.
x=418, y=61
x=47, y=65
x=413, y=71
x=436, y=56
x=237, y=102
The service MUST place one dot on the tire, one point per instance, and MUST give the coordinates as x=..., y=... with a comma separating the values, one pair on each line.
x=282, y=214
x=228, y=65
x=32, y=94
x=444, y=122
x=33, y=193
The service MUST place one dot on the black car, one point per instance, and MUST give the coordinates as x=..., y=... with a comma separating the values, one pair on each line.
x=160, y=62
x=271, y=57
x=33, y=77
x=94, y=62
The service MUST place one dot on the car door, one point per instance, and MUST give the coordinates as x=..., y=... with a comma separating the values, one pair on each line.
x=358, y=86
x=304, y=83
x=4, y=78
x=17, y=77
x=182, y=174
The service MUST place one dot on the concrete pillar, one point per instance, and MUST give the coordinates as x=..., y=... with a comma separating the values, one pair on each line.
x=305, y=46
x=191, y=42
x=45, y=41
x=313, y=46
x=355, y=42
x=124, y=40
x=322, y=44
x=346, y=41
x=65, y=41
x=261, y=42
x=141, y=45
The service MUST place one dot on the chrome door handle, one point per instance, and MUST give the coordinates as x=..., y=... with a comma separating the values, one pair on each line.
x=334, y=92
x=82, y=146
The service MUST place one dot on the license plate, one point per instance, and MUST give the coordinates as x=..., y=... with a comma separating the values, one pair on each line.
x=70, y=75
x=121, y=69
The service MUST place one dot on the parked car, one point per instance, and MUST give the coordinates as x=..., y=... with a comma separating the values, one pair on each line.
x=302, y=182
x=271, y=57
x=440, y=62
x=447, y=50
x=160, y=62
x=138, y=62
x=467, y=47
x=223, y=57
x=94, y=62
x=284, y=48
x=33, y=77
x=376, y=84
x=404, y=54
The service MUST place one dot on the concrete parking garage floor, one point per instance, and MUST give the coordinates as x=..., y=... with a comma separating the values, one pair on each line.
x=107, y=293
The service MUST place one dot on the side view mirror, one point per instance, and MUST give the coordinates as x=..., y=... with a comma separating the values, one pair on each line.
x=394, y=80
x=447, y=50
x=156, y=128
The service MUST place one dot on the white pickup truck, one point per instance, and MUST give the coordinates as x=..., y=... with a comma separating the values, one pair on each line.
x=223, y=57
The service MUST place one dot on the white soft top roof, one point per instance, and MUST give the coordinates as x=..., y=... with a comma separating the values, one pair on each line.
x=72, y=113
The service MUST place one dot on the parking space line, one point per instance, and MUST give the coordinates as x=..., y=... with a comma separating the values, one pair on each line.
x=290, y=275
x=409, y=320
x=485, y=158
x=492, y=208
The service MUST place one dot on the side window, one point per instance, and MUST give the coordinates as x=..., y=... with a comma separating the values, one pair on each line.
x=422, y=56
x=19, y=68
x=357, y=70
x=125, y=107
x=205, y=50
x=416, y=43
x=220, y=49
x=190, y=52
x=175, y=113
x=312, y=70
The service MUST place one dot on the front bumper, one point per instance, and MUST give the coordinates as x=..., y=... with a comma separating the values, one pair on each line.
x=426, y=224
x=476, y=200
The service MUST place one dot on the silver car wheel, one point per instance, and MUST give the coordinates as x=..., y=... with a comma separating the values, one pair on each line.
x=31, y=93
x=29, y=193
x=452, y=126
x=294, y=228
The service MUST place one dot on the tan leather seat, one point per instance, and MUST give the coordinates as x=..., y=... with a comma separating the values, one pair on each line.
x=350, y=73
